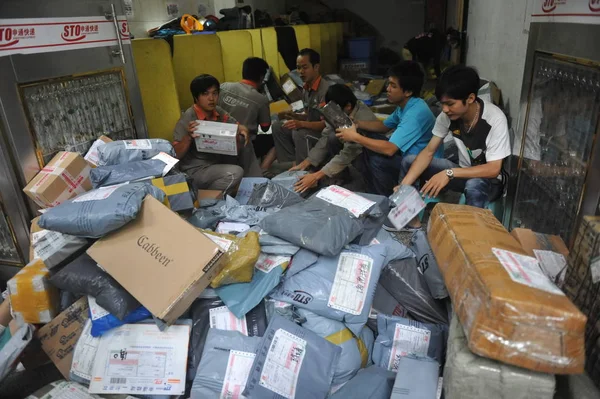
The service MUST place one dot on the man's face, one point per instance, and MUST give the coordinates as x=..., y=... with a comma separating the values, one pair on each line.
x=455, y=109
x=208, y=101
x=307, y=71
x=395, y=93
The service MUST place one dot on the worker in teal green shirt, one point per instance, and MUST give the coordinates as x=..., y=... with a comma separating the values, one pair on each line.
x=411, y=125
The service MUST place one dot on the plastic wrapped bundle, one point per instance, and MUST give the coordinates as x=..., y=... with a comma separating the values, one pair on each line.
x=211, y=313
x=100, y=211
x=509, y=308
x=56, y=249
x=83, y=276
x=124, y=151
x=307, y=373
x=226, y=363
x=241, y=255
x=373, y=383
x=241, y=298
x=335, y=116
x=356, y=353
x=273, y=195
x=315, y=225
x=427, y=265
x=13, y=341
x=288, y=179
x=128, y=172
x=340, y=288
x=404, y=282
x=468, y=376
x=398, y=337
x=374, y=218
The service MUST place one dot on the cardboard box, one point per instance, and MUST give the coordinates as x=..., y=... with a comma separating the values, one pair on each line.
x=92, y=156
x=65, y=176
x=511, y=312
x=375, y=87
x=531, y=240
x=279, y=107
x=290, y=89
x=217, y=138
x=178, y=197
x=60, y=336
x=161, y=259
x=32, y=298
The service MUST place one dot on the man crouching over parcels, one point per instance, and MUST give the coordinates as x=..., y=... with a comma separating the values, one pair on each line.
x=212, y=171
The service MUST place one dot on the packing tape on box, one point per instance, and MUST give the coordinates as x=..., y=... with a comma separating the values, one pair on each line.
x=73, y=183
x=173, y=189
x=345, y=335
x=30, y=298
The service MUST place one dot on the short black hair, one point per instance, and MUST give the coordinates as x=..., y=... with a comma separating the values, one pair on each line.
x=457, y=82
x=410, y=76
x=202, y=83
x=313, y=56
x=341, y=94
x=254, y=69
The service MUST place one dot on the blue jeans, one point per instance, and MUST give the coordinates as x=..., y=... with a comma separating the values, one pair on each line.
x=380, y=171
x=478, y=191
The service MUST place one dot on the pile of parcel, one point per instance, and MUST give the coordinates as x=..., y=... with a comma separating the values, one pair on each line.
x=136, y=287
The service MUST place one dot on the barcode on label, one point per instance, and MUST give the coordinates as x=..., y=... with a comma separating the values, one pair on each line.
x=114, y=380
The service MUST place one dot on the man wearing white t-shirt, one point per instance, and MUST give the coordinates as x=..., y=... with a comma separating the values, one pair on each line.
x=480, y=131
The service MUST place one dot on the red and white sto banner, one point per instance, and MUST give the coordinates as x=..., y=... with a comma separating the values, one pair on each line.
x=44, y=35
x=571, y=11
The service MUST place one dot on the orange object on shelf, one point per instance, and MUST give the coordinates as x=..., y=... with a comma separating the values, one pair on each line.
x=190, y=24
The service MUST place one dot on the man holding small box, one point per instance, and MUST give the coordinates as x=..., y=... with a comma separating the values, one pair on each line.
x=212, y=171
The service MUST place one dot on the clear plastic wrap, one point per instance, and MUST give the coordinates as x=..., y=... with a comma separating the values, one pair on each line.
x=100, y=211
x=323, y=289
x=241, y=298
x=124, y=151
x=315, y=225
x=13, y=347
x=404, y=282
x=427, y=265
x=241, y=254
x=288, y=179
x=310, y=368
x=356, y=353
x=509, y=309
x=32, y=298
x=254, y=322
x=335, y=116
x=273, y=195
x=128, y=172
x=372, y=382
x=56, y=249
x=83, y=276
x=226, y=354
x=468, y=376
x=398, y=337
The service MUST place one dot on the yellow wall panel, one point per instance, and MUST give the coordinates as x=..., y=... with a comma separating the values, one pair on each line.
x=194, y=55
x=236, y=46
x=302, y=36
x=257, y=47
x=157, y=86
x=269, y=41
x=315, y=37
x=339, y=33
x=327, y=45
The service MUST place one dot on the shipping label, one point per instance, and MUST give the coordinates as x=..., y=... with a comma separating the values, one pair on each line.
x=222, y=319
x=239, y=366
x=221, y=242
x=341, y=197
x=266, y=262
x=408, y=340
x=143, y=144
x=553, y=264
x=97, y=194
x=525, y=270
x=46, y=243
x=407, y=208
x=96, y=311
x=351, y=283
x=169, y=161
x=85, y=353
x=288, y=86
x=283, y=363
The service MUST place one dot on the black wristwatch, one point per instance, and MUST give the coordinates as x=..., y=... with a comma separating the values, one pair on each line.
x=450, y=174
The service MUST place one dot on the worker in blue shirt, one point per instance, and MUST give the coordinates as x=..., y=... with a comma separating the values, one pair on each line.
x=411, y=125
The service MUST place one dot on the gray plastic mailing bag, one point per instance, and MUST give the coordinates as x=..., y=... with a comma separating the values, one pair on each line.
x=273, y=195
x=123, y=151
x=373, y=383
x=128, y=172
x=427, y=265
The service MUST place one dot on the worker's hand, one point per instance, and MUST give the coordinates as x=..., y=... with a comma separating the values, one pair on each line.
x=245, y=133
x=436, y=184
x=191, y=127
x=293, y=125
x=307, y=182
x=396, y=188
x=349, y=135
x=301, y=166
